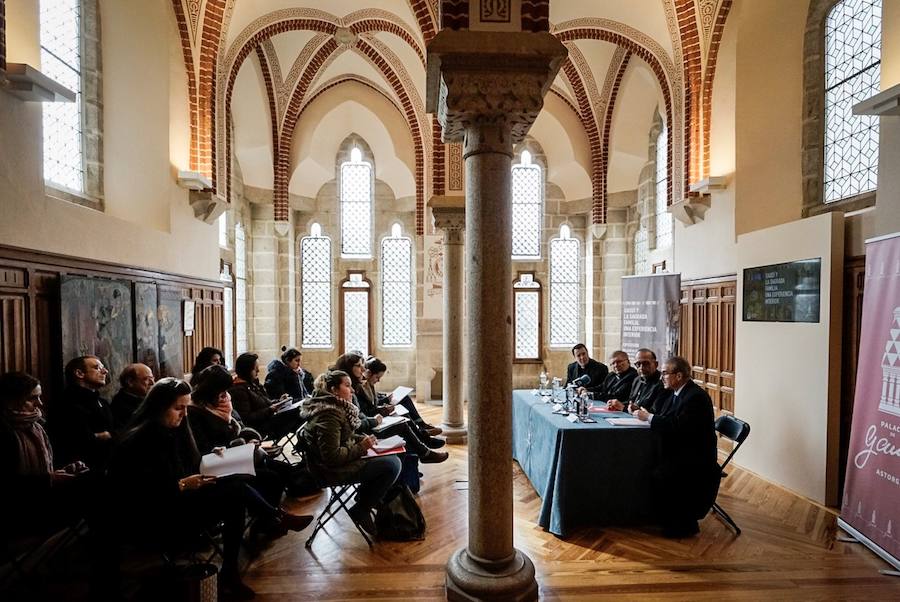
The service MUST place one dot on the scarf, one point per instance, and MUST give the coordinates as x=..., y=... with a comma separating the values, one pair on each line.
x=34, y=452
x=222, y=409
x=321, y=402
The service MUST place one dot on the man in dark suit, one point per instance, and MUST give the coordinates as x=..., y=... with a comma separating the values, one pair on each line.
x=687, y=475
x=646, y=389
x=584, y=365
x=617, y=384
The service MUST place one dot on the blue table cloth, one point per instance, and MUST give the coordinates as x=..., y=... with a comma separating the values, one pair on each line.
x=586, y=474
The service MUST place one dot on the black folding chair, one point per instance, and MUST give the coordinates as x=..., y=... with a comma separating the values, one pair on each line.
x=737, y=431
x=341, y=495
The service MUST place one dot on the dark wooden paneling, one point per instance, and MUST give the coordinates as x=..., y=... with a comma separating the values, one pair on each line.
x=854, y=283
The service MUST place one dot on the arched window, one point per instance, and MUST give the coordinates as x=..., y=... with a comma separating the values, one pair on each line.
x=355, y=303
x=641, y=251
x=240, y=290
x=527, y=208
x=315, y=287
x=356, y=206
x=527, y=318
x=663, y=217
x=852, y=74
x=61, y=55
x=396, y=289
x=565, y=288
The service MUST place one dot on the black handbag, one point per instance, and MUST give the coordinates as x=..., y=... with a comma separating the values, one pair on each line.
x=398, y=517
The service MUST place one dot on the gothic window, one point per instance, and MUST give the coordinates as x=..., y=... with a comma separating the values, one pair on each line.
x=240, y=290
x=527, y=318
x=61, y=54
x=356, y=207
x=355, y=305
x=228, y=312
x=565, y=287
x=641, y=250
x=663, y=217
x=852, y=74
x=315, y=287
x=527, y=208
x=396, y=289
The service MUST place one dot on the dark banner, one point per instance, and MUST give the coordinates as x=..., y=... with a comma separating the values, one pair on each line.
x=651, y=309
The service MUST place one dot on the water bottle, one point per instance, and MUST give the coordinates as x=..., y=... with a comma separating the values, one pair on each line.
x=543, y=381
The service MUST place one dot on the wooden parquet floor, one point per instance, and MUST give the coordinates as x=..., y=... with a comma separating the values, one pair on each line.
x=787, y=552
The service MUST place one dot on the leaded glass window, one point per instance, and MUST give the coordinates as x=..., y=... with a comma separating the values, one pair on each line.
x=396, y=291
x=663, y=217
x=852, y=74
x=641, y=251
x=355, y=293
x=356, y=206
x=240, y=290
x=527, y=316
x=61, y=61
x=565, y=286
x=222, y=224
x=527, y=208
x=315, y=288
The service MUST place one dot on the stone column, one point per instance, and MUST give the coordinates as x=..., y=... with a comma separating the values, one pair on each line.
x=449, y=215
x=487, y=89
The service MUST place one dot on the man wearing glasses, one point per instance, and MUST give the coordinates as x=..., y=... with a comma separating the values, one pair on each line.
x=687, y=474
x=646, y=390
x=617, y=384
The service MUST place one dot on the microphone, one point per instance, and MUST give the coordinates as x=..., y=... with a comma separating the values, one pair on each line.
x=582, y=381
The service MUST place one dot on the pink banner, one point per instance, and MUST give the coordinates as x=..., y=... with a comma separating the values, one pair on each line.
x=871, y=503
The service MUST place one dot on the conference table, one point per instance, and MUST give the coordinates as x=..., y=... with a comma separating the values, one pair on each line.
x=586, y=474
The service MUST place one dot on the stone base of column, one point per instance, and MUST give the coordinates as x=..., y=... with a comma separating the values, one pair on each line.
x=455, y=435
x=470, y=579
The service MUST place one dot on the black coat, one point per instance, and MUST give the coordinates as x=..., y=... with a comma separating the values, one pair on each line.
x=617, y=386
x=22, y=491
x=280, y=379
x=597, y=371
x=123, y=406
x=210, y=430
x=647, y=392
x=252, y=402
x=73, y=420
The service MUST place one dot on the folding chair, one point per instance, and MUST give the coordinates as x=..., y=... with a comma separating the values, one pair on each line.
x=737, y=431
x=341, y=495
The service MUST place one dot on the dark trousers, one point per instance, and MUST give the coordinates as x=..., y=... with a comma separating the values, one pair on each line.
x=375, y=477
x=409, y=434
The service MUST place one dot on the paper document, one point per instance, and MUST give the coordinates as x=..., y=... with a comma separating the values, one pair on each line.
x=389, y=421
x=628, y=422
x=371, y=453
x=289, y=407
x=399, y=393
x=389, y=443
x=572, y=418
x=234, y=460
x=400, y=411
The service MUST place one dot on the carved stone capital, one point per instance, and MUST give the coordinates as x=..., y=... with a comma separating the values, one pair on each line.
x=448, y=213
x=489, y=81
x=207, y=205
x=690, y=210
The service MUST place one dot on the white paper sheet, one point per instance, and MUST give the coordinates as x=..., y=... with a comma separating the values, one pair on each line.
x=399, y=393
x=389, y=443
x=400, y=411
x=234, y=460
x=389, y=421
x=628, y=422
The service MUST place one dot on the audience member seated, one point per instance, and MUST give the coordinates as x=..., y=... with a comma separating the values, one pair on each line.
x=37, y=498
x=286, y=376
x=161, y=498
x=208, y=356
x=646, y=390
x=584, y=365
x=252, y=403
x=337, y=452
x=80, y=422
x=617, y=384
x=368, y=397
x=135, y=382
x=687, y=475
x=352, y=364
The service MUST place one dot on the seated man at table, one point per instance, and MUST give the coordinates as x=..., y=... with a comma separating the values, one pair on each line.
x=687, y=475
x=617, y=384
x=646, y=389
x=584, y=365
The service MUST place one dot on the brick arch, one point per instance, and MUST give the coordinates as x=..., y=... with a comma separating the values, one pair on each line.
x=424, y=17
x=689, y=38
x=709, y=74
x=589, y=123
x=614, y=81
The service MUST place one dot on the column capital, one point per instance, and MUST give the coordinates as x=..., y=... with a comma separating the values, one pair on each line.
x=490, y=79
x=449, y=214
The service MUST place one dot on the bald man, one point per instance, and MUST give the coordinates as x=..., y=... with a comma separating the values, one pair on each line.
x=136, y=381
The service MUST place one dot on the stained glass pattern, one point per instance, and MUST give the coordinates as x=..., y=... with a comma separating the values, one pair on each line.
x=663, y=217
x=526, y=301
x=852, y=74
x=564, y=291
x=356, y=209
x=641, y=251
x=240, y=290
x=315, y=283
x=527, y=211
x=396, y=301
x=61, y=61
x=356, y=321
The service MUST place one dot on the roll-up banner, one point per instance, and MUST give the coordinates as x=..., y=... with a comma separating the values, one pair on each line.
x=870, y=510
x=651, y=310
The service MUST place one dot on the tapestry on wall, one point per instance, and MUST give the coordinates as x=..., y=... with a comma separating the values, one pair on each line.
x=97, y=320
x=433, y=297
x=146, y=325
x=168, y=314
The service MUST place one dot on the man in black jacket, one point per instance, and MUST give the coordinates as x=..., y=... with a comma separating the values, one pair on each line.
x=646, y=390
x=136, y=381
x=687, y=475
x=617, y=384
x=584, y=365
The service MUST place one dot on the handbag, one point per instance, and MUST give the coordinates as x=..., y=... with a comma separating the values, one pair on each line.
x=398, y=517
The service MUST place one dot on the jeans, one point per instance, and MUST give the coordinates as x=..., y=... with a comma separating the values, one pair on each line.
x=375, y=478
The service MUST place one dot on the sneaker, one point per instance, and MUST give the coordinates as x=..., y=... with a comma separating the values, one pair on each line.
x=294, y=522
x=435, y=443
x=232, y=588
x=434, y=457
x=363, y=518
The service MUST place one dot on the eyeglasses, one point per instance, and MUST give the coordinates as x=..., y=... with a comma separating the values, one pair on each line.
x=640, y=363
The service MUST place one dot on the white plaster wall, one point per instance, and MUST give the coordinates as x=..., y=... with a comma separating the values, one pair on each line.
x=788, y=374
